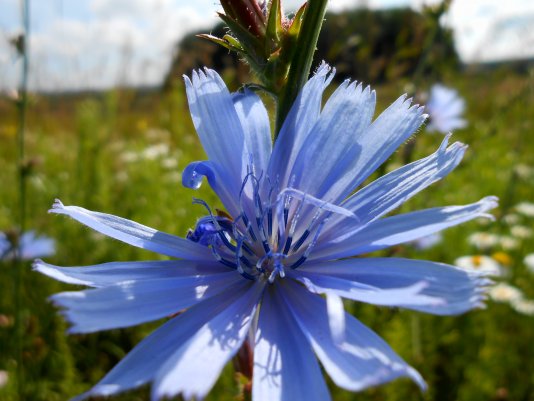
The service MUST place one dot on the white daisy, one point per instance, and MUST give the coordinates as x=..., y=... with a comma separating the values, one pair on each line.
x=481, y=263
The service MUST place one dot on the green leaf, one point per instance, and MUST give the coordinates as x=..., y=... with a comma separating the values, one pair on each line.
x=296, y=23
x=249, y=42
x=274, y=23
x=222, y=42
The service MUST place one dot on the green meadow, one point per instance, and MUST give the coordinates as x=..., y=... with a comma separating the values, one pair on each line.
x=122, y=152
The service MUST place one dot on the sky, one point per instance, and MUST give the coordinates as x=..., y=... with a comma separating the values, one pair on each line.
x=101, y=43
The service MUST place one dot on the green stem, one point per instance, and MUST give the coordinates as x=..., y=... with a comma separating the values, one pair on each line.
x=22, y=173
x=418, y=73
x=302, y=59
x=430, y=40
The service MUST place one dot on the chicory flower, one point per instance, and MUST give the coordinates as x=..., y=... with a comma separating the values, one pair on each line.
x=445, y=108
x=30, y=246
x=256, y=273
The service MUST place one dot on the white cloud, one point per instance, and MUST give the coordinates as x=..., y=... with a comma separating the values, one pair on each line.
x=490, y=30
x=125, y=42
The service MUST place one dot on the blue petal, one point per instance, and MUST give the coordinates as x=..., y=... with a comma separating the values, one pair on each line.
x=142, y=364
x=445, y=108
x=138, y=301
x=391, y=190
x=298, y=124
x=401, y=228
x=217, y=123
x=390, y=130
x=197, y=362
x=4, y=243
x=285, y=368
x=333, y=147
x=361, y=361
x=410, y=295
x=33, y=246
x=108, y=274
x=415, y=284
x=134, y=233
x=255, y=122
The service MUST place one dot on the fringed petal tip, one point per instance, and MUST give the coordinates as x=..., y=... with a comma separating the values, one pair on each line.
x=56, y=206
x=406, y=103
x=478, y=209
x=66, y=314
x=481, y=285
x=488, y=203
x=36, y=263
x=203, y=75
x=324, y=73
x=324, y=69
x=74, y=327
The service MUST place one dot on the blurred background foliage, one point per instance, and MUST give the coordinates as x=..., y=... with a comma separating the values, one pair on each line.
x=121, y=151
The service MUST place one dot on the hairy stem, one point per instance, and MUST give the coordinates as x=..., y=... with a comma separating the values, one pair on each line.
x=302, y=59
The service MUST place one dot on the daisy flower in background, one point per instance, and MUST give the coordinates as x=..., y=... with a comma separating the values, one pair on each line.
x=445, y=109
x=503, y=292
x=506, y=293
x=521, y=232
x=483, y=240
x=31, y=245
x=529, y=262
x=481, y=263
x=255, y=275
x=525, y=208
x=523, y=306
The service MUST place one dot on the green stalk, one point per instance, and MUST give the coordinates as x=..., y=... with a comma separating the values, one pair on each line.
x=22, y=102
x=302, y=59
x=418, y=73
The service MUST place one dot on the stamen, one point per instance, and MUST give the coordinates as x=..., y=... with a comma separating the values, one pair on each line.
x=247, y=249
x=307, y=232
x=293, y=226
x=287, y=245
x=240, y=258
x=270, y=222
x=259, y=263
x=243, y=214
x=287, y=202
x=220, y=259
x=311, y=245
x=248, y=226
x=278, y=268
x=237, y=234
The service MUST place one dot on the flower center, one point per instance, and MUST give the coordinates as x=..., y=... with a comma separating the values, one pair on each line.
x=275, y=230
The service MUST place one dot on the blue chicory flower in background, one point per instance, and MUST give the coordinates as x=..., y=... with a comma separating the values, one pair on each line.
x=256, y=274
x=445, y=108
x=31, y=246
x=427, y=241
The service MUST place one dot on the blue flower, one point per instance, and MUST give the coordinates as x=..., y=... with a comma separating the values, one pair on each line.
x=295, y=217
x=445, y=108
x=31, y=246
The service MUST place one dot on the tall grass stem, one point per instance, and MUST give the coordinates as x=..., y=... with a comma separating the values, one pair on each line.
x=22, y=171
